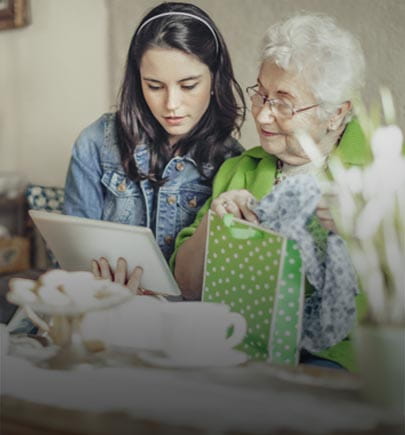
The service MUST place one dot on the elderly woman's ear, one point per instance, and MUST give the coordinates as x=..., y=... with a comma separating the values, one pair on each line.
x=337, y=120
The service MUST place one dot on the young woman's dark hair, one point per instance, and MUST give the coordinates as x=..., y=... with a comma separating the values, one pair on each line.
x=206, y=142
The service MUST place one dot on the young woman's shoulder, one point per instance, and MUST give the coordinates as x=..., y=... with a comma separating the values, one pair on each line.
x=99, y=139
x=232, y=148
x=98, y=131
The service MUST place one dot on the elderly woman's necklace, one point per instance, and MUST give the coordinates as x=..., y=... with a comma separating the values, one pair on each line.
x=283, y=170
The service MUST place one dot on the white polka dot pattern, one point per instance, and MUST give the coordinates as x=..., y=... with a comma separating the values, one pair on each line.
x=285, y=331
x=257, y=279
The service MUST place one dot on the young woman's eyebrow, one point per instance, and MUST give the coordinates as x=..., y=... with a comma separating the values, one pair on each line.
x=190, y=78
x=186, y=79
x=148, y=79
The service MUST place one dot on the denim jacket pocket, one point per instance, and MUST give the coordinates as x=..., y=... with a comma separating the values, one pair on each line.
x=123, y=199
x=119, y=184
x=192, y=198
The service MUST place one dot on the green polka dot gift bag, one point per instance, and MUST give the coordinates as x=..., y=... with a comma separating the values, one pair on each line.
x=259, y=274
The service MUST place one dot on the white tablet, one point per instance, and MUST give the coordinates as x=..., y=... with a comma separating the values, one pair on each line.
x=75, y=241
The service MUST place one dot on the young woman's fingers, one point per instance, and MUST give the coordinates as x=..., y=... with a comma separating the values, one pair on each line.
x=120, y=275
x=105, y=268
x=95, y=269
x=135, y=279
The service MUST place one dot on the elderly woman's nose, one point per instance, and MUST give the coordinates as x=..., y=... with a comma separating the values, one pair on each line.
x=265, y=115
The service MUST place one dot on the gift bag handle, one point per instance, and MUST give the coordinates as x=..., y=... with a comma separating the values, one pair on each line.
x=240, y=233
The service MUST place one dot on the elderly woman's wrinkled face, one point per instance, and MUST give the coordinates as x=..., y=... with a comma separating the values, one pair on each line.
x=277, y=132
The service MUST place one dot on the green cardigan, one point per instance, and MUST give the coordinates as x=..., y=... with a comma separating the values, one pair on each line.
x=255, y=170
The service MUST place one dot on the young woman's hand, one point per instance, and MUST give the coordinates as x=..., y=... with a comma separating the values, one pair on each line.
x=235, y=202
x=102, y=269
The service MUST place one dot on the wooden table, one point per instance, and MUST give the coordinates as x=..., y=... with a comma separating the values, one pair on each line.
x=23, y=417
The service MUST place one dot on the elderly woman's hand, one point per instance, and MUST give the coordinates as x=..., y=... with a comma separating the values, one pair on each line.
x=235, y=202
x=102, y=269
x=323, y=214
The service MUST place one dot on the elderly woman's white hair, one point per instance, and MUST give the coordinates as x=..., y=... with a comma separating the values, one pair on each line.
x=329, y=58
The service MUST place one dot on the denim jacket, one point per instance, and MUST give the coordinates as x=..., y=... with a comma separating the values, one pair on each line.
x=98, y=188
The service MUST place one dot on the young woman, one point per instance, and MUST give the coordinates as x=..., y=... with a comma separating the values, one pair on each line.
x=152, y=162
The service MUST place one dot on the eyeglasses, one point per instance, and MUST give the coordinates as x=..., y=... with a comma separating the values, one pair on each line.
x=279, y=108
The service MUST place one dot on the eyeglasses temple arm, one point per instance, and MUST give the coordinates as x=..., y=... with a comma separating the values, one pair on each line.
x=305, y=108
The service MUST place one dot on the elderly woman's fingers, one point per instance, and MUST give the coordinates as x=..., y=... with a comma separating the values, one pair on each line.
x=329, y=224
x=325, y=218
x=231, y=207
x=105, y=268
x=248, y=213
x=220, y=206
x=242, y=199
x=135, y=279
x=120, y=275
x=224, y=204
x=235, y=202
x=324, y=202
x=95, y=269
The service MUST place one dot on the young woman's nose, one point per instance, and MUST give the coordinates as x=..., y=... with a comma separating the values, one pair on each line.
x=173, y=99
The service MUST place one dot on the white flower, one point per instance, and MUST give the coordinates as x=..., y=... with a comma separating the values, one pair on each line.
x=354, y=179
x=386, y=175
x=368, y=206
x=369, y=219
x=386, y=142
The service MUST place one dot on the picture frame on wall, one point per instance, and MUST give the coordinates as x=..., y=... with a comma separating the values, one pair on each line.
x=13, y=14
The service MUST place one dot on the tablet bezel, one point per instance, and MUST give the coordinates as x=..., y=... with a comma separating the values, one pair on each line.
x=157, y=276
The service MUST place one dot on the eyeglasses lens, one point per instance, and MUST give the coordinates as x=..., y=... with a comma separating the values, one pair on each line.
x=278, y=108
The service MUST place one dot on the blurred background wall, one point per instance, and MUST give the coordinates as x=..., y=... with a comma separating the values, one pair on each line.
x=54, y=79
x=64, y=69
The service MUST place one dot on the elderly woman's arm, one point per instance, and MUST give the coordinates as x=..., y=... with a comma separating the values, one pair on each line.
x=189, y=267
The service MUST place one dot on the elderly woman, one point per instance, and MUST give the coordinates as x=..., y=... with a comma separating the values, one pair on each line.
x=310, y=70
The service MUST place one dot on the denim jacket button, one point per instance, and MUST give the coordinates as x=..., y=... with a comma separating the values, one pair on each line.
x=168, y=240
x=193, y=202
x=121, y=187
x=180, y=166
x=171, y=200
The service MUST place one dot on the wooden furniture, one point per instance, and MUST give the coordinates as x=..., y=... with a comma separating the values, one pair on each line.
x=6, y=308
x=24, y=418
x=21, y=417
x=13, y=214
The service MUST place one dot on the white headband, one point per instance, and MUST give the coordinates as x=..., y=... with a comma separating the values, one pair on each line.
x=186, y=14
